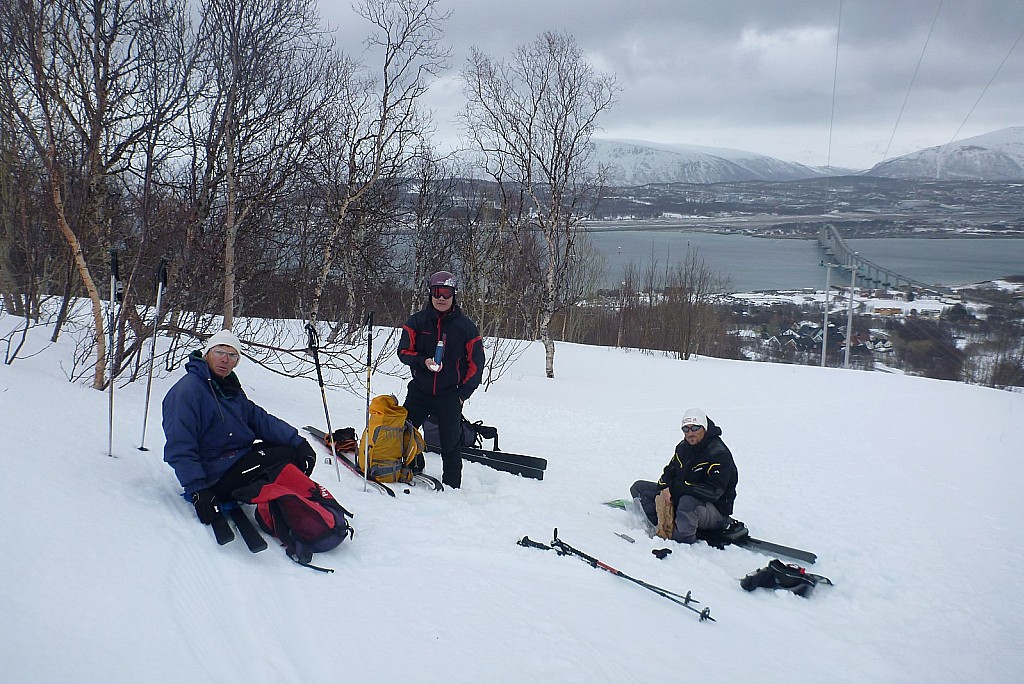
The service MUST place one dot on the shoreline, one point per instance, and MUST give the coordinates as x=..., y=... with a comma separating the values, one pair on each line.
x=643, y=226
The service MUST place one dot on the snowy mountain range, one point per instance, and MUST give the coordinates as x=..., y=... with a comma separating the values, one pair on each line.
x=996, y=156
x=638, y=162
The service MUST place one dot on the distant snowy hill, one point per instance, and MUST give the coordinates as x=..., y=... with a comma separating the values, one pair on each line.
x=996, y=156
x=637, y=162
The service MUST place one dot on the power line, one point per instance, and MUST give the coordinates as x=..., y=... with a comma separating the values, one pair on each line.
x=912, y=79
x=835, y=78
x=985, y=89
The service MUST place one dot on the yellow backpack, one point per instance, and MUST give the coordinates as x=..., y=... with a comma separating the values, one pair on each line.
x=393, y=442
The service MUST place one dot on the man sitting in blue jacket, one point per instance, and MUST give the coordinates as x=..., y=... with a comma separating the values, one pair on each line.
x=211, y=427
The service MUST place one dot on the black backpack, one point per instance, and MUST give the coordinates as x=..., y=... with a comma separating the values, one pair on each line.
x=473, y=434
x=779, y=575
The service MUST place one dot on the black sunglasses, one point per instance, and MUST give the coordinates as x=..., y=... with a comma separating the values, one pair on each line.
x=692, y=428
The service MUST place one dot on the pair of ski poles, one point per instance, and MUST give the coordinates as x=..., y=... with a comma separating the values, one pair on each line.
x=313, y=346
x=113, y=320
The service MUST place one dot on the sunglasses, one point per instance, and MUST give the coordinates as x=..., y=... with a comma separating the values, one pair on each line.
x=442, y=292
x=223, y=353
x=692, y=428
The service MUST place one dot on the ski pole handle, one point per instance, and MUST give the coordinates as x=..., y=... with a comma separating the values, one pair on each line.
x=526, y=541
x=311, y=336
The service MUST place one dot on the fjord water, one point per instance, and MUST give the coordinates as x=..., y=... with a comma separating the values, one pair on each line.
x=754, y=263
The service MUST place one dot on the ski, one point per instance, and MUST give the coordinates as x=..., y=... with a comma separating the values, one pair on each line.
x=346, y=461
x=772, y=549
x=515, y=464
x=349, y=462
x=428, y=480
x=247, y=528
x=222, y=531
x=736, y=534
x=565, y=549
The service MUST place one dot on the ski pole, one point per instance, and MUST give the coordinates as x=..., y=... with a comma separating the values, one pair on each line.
x=369, y=370
x=564, y=549
x=161, y=285
x=313, y=347
x=115, y=295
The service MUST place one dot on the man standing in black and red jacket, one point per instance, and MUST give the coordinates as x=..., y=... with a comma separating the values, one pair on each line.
x=444, y=350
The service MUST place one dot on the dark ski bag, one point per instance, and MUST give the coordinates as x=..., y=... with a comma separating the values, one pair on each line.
x=473, y=434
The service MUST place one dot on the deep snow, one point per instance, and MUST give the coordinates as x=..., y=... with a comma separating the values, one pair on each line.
x=906, y=488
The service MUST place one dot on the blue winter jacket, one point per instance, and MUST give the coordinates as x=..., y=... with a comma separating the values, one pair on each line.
x=209, y=425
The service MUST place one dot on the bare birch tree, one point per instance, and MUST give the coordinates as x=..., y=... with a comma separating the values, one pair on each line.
x=74, y=78
x=266, y=93
x=378, y=129
x=532, y=118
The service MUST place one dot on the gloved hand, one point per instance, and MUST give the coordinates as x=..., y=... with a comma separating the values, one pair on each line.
x=206, y=505
x=306, y=460
x=432, y=366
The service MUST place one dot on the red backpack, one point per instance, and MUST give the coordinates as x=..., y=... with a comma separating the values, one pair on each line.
x=302, y=515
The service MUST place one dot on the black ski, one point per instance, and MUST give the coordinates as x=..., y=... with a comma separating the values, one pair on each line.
x=736, y=534
x=247, y=528
x=517, y=464
x=222, y=531
x=772, y=549
x=473, y=435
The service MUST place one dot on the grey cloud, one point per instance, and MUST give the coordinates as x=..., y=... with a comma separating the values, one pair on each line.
x=736, y=73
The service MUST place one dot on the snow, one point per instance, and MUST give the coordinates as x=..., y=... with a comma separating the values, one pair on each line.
x=906, y=488
x=994, y=156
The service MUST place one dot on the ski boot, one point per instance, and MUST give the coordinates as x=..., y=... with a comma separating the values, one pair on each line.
x=779, y=575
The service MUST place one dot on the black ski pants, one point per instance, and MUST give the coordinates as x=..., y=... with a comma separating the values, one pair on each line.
x=263, y=460
x=447, y=411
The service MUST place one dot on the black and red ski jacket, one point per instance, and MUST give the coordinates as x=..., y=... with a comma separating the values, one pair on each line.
x=463, y=360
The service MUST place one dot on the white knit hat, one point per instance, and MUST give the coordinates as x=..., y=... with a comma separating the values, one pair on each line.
x=695, y=416
x=225, y=337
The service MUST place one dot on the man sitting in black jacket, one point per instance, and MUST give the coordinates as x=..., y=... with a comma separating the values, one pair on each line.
x=698, y=486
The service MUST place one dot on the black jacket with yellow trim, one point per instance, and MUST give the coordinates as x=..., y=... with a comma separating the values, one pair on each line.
x=705, y=471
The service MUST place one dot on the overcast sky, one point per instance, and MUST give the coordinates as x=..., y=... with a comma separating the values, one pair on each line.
x=757, y=75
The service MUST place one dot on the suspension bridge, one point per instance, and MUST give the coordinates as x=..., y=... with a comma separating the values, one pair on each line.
x=868, y=273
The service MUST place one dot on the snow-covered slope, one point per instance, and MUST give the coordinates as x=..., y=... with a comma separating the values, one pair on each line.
x=906, y=488
x=996, y=156
x=637, y=162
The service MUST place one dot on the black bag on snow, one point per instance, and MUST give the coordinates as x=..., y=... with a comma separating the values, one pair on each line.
x=473, y=434
x=779, y=575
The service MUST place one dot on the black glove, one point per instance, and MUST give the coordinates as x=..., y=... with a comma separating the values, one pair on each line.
x=206, y=506
x=306, y=458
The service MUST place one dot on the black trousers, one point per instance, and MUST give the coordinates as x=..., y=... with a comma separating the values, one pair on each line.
x=264, y=462
x=447, y=411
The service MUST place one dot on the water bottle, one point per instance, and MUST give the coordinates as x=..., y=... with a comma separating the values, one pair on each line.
x=439, y=351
